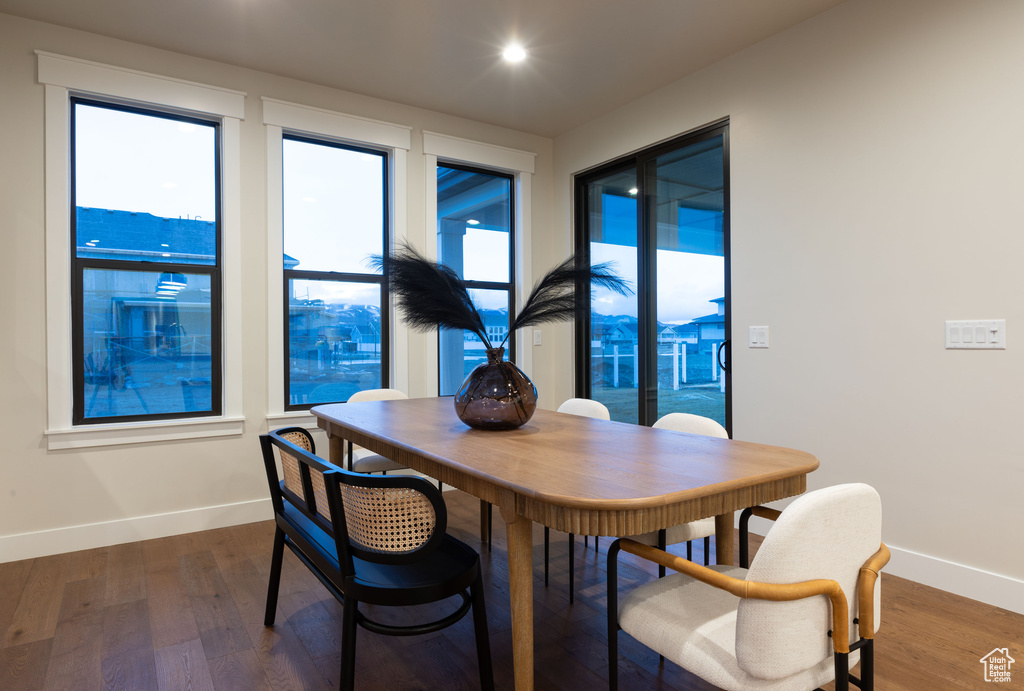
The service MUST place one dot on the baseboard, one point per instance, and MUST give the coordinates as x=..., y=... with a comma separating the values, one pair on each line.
x=959, y=579
x=70, y=539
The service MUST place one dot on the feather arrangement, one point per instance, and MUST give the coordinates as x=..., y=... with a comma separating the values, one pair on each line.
x=430, y=294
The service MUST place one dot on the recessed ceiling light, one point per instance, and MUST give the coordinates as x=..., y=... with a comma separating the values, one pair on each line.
x=633, y=190
x=164, y=245
x=514, y=53
x=473, y=222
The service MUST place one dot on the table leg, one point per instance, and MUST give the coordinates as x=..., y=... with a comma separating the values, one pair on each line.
x=520, y=580
x=336, y=451
x=724, y=539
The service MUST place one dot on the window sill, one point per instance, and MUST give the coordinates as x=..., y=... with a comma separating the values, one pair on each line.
x=143, y=433
x=296, y=418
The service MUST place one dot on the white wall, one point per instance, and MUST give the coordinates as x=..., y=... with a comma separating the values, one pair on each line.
x=876, y=191
x=53, y=501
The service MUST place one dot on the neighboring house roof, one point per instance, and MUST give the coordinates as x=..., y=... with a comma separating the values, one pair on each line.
x=111, y=234
x=709, y=319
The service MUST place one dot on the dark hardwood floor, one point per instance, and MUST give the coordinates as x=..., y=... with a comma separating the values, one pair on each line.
x=186, y=612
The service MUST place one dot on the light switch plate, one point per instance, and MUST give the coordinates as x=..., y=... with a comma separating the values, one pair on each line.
x=976, y=334
x=536, y=337
x=758, y=337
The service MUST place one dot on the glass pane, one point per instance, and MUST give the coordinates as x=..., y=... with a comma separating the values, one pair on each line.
x=145, y=187
x=147, y=343
x=613, y=317
x=474, y=224
x=333, y=340
x=691, y=279
x=333, y=207
x=461, y=351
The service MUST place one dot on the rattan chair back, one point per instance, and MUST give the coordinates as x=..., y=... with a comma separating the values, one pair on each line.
x=385, y=519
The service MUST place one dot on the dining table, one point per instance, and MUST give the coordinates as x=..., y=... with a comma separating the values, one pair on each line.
x=571, y=473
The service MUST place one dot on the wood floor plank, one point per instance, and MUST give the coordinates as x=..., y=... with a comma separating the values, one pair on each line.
x=131, y=670
x=13, y=577
x=183, y=666
x=285, y=662
x=126, y=628
x=75, y=659
x=239, y=671
x=317, y=629
x=24, y=666
x=220, y=628
x=126, y=580
x=171, y=618
x=89, y=564
x=39, y=606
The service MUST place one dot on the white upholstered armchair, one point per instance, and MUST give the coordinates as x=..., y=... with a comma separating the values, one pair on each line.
x=802, y=615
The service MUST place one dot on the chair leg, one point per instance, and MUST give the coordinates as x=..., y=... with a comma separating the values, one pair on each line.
x=348, y=644
x=867, y=666
x=842, y=662
x=662, y=540
x=572, y=567
x=689, y=550
x=745, y=537
x=597, y=542
x=274, y=584
x=483, y=644
x=547, y=538
x=707, y=551
x=485, y=523
x=613, y=616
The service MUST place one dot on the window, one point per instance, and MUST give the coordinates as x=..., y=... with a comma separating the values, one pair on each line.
x=336, y=193
x=475, y=239
x=143, y=317
x=661, y=216
x=334, y=219
x=146, y=264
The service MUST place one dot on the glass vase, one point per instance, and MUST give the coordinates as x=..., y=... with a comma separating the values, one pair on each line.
x=496, y=395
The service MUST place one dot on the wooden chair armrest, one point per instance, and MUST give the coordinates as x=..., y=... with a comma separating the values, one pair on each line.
x=866, y=590
x=755, y=590
x=765, y=512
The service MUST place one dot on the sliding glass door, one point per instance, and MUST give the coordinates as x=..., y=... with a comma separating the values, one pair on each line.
x=661, y=217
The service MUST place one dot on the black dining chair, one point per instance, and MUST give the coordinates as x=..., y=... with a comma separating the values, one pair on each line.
x=369, y=539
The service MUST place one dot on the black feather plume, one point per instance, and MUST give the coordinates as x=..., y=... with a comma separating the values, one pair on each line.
x=553, y=298
x=429, y=294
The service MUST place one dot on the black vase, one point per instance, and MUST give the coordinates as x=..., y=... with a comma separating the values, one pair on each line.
x=496, y=395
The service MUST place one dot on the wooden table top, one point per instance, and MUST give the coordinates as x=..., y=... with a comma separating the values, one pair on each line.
x=575, y=473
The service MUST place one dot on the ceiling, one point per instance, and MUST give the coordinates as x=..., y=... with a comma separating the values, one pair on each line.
x=587, y=57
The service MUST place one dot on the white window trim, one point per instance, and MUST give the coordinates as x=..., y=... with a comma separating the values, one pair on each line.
x=279, y=117
x=520, y=164
x=63, y=76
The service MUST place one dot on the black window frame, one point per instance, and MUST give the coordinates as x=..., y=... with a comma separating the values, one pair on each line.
x=342, y=276
x=80, y=265
x=510, y=286
x=647, y=265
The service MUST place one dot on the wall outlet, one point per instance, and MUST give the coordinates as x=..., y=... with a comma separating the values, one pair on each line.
x=536, y=337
